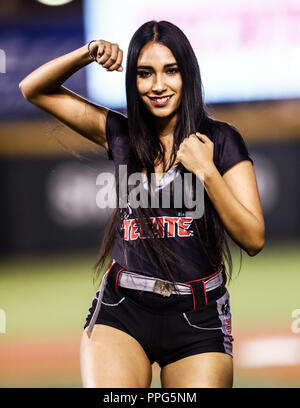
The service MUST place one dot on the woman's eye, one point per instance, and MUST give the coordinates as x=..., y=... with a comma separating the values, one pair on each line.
x=143, y=74
x=173, y=70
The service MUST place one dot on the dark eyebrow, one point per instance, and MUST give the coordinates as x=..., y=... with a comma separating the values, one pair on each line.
x=149, y=66
x=170, y=65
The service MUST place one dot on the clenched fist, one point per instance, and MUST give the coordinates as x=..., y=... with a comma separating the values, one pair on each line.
x=107, y=54
x=196, y=153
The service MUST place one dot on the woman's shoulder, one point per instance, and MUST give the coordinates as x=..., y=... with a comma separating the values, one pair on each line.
x=117, y=136
x=116, y=120
x=218, y=129
x=229, y=145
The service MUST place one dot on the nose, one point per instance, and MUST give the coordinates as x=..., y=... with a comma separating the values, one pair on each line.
x=158, y=83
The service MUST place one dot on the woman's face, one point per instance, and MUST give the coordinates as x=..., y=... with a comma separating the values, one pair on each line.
x=159, y=81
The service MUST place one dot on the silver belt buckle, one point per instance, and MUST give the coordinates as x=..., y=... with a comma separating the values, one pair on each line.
x=163, y=288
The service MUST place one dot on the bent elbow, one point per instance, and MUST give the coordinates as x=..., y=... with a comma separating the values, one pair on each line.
x=257, y=242
x=25, y=91
x=255, y=249
x=21, y=87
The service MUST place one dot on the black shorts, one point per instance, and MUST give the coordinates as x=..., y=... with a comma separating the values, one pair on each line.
x=168, y=328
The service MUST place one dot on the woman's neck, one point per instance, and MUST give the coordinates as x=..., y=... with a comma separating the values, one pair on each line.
x=165, y=127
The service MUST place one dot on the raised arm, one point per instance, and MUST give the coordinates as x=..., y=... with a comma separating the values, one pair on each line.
x=43, y=88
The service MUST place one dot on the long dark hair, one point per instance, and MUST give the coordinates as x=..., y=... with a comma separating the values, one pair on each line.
x=146, y=148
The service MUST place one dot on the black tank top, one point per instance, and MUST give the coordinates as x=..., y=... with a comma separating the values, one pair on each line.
x=173, y=224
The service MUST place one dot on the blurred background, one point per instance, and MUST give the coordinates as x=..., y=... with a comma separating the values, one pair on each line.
x=249, y=58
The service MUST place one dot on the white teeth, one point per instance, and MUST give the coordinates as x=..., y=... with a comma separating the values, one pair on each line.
x=162, y=99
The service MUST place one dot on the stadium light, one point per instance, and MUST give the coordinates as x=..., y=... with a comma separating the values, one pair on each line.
x=54, y=2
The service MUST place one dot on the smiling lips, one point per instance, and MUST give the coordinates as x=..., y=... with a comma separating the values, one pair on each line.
x=160, y=100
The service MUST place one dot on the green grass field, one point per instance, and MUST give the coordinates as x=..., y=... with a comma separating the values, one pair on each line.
x=50, y=295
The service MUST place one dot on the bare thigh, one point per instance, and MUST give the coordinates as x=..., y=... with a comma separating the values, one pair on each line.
x=111, y=358
x=207, y=370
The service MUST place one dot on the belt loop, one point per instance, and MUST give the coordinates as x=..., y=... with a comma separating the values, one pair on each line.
x=117, y=277
x=199, y=289
x=199, y=293
x=114, y=275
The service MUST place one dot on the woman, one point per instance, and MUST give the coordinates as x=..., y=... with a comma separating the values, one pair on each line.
x=163, y=297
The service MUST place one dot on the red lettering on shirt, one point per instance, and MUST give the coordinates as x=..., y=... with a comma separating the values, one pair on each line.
x=182, y=228
x=142, y=234
x=133, y=230
x=126, y=225
x=171, y=222
x=158, y=224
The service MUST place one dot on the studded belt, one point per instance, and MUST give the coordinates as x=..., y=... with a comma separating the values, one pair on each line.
x=162, y=287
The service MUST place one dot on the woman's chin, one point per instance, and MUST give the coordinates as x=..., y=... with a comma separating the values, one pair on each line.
x=162, y=113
